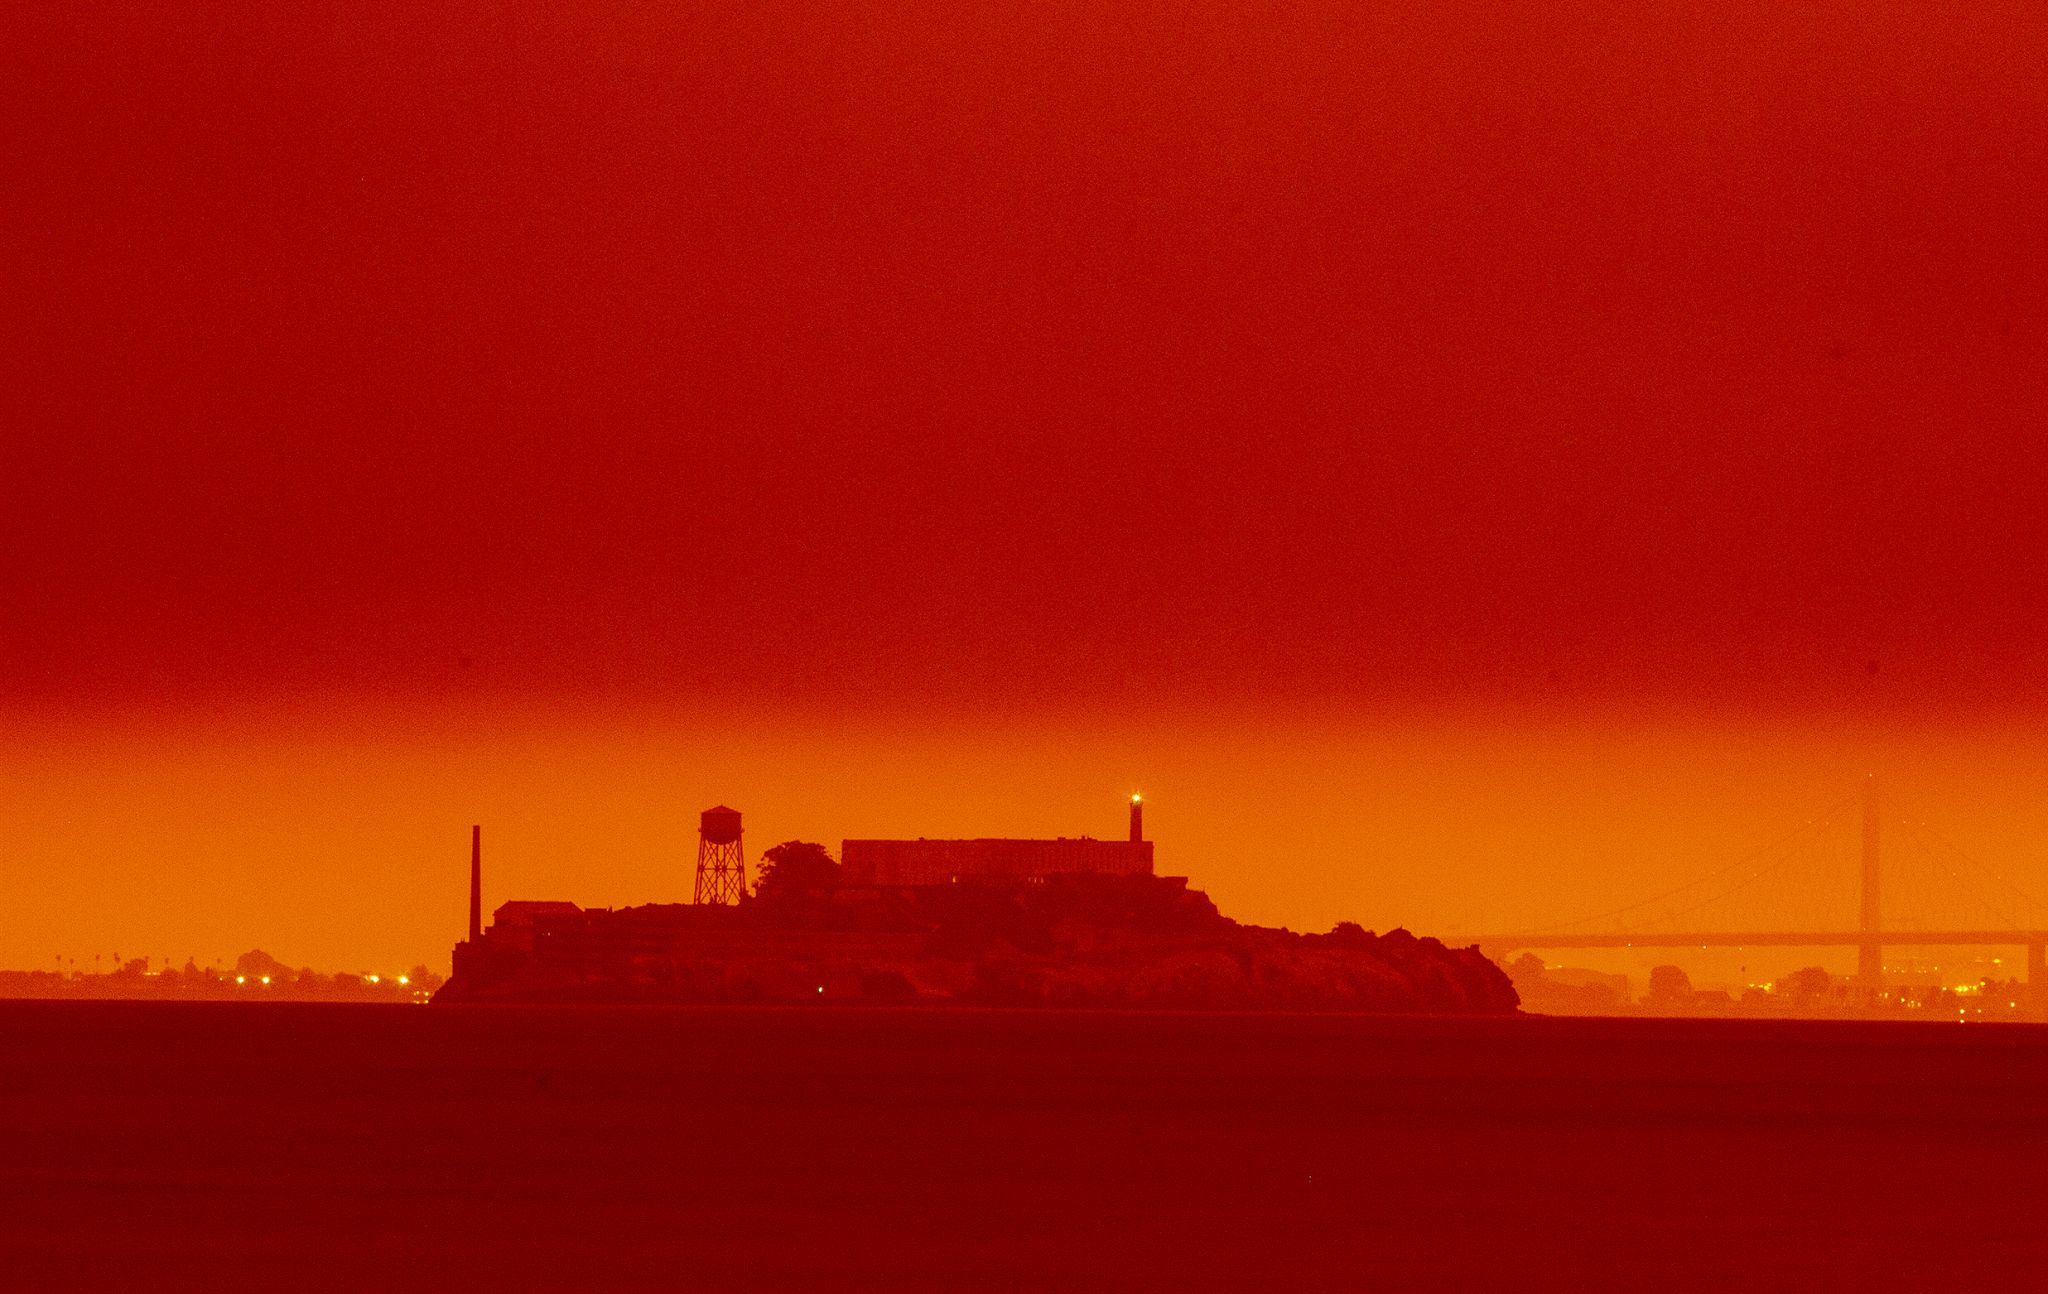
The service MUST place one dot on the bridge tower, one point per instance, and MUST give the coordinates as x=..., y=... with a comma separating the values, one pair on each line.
x=1869, y=953
x=721, y=864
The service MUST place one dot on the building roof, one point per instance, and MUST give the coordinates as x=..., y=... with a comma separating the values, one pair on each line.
x=534, y=908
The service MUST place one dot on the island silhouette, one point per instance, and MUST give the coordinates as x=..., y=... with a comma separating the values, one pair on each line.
x=1071, y=922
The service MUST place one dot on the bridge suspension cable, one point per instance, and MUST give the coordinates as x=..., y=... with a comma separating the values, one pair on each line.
x=1759, y=862
x=1944, y=887
x=2002, y=895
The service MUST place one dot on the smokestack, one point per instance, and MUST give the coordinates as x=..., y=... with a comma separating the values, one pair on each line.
x=1137, y=818
x=1870, y=956
x=476, y=883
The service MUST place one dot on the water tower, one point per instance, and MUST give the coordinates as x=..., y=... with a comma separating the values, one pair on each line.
x=721, y=866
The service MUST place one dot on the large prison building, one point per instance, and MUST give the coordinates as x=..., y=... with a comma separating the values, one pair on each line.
x=954, y=862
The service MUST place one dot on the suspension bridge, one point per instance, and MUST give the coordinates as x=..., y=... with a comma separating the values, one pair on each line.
x=1798, y=890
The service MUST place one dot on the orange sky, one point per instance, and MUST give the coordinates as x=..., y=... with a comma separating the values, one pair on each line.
x=345, y=843
x=1454, y=461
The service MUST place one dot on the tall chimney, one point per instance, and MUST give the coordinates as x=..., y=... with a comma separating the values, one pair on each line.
x=1869, y=955
x=476, y=883
x=1137, y=818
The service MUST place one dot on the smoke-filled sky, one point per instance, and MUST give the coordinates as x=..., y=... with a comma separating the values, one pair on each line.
x=1467, y=464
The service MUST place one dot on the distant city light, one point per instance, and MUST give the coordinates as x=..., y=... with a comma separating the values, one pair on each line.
x=374, y=980
x=405, y=979
x=266, y=979
x=241, y=979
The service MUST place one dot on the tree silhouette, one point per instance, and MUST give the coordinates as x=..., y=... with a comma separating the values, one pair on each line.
x=793, y=868
x=1669, y=984
x=1807, y=986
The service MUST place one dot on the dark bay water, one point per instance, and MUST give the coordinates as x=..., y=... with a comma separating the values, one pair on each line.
x=159, y=1146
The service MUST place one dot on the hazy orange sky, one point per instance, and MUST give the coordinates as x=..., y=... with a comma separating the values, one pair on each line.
x=1465, y=465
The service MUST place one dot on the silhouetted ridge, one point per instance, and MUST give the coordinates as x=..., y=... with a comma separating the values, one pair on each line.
x=1075, y=940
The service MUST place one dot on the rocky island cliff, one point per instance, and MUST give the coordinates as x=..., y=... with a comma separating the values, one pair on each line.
x=1134, y=941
